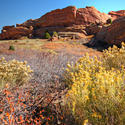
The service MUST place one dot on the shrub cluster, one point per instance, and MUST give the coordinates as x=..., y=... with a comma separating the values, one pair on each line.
x=96, y=92
x=33, y=105
x=12, y=48
x=97, y=88
x=47, y=35
x=55, y=34
x=109, y=21
x=13, y=72
x=114, y=57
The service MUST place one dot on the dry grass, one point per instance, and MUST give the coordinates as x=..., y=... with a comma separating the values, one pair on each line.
x=47, y=59
x=27, y=44
x=74, y=49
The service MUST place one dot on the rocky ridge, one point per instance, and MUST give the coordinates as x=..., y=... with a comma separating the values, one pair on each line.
x=113, y=34
x=73, y=22
x=66, y=19
x=116, y=14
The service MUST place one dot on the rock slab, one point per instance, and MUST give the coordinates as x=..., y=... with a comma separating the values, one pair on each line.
x=113, y=34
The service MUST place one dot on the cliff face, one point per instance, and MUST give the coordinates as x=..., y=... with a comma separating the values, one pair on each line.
x=113, y=34
x=58, y=19
x=90, y=15
x=15, y=32
x=72, y=15
x=117, y=14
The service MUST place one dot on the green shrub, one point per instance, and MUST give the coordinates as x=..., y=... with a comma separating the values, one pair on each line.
x=47, y=35
x=97, y=88
x=13, y=72
x=12, y=48
x=55, y=34
x=109, y=21
x=24, y=38
x=16, y=41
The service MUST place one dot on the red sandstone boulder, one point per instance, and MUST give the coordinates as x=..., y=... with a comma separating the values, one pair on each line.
x=15, y=33
x=117, y=14
x=113, y=34
x=93, y=29
x=90, y=15
x=71, y=35
x=8, y=27
x=58, y=17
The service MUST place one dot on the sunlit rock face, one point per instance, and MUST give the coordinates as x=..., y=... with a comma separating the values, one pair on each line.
x=117, y=14
x=113, y=34
x=62, y=20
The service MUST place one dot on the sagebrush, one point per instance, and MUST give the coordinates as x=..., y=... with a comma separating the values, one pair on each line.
x=97, y=88
x=13, y=72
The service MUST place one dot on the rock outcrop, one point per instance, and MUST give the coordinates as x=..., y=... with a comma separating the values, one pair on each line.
x=71, y=35
x=117, y=14
x=93, y=29
x=40, y=32
x=113, y=34
x=69, y=19
x=7, y=28
x=58, y=17
x=14, y=32
x=28, y=23
x=71, y=15
x=90, y=15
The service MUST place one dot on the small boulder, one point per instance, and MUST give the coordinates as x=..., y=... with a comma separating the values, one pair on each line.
x=93, y=29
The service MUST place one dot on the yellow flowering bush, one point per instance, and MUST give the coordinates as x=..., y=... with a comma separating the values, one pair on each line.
x=114, y=57
x=97, y=89
x=13, y=72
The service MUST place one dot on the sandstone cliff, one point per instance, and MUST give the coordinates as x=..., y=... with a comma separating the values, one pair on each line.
x=113, y=34
x=60, y=20
x=117, y=14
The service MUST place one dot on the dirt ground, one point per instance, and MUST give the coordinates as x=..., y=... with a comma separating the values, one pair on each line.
x=73, y=48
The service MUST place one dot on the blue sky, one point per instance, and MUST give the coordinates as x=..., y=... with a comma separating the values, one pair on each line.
x=18, y=11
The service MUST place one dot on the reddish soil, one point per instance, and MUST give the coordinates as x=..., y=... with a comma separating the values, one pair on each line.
x=71, y=48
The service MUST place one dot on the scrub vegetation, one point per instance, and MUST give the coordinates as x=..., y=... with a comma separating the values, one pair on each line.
x=61, y=83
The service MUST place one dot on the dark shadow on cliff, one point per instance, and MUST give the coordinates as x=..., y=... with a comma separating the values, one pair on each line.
x=99, y=46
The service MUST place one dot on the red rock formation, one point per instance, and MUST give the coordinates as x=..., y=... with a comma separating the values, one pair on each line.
x=93, y=29
x=75, y=28
x=58, y=17
x=113, y=34
x=71, y=35
x=15, y=33
x=117, y=14
x=71, y=15
x=90, y=15
x=28, y=23
x=8, y=27
x=56, y=20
